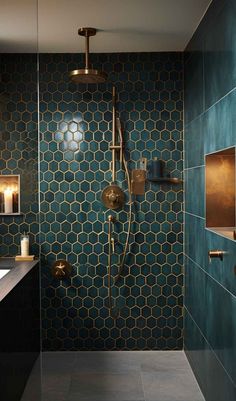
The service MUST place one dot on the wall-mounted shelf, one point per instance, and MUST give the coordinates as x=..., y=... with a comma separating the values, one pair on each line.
x=11, y=214
x=156, y=172
x=167, y=180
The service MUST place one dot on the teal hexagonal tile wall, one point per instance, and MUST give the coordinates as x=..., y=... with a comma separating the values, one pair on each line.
x=75, y=129
x=19, y=147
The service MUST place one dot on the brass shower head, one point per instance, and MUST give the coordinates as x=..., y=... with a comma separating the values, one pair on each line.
x=87, y=75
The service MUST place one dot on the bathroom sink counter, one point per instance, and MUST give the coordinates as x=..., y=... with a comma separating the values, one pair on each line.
x=18, y=270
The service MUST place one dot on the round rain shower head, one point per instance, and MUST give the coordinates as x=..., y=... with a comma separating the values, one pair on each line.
x=87, y=75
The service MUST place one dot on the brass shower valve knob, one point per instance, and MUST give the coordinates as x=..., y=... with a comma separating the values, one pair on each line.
x=113, y=197
x=61, y=269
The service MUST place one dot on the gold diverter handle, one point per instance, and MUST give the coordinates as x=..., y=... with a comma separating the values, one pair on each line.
x=61, y=269
x=113, y=197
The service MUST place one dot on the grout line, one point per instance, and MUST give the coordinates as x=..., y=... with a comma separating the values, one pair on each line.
x=191, y=168
x=143, y=387
x=209, y=108
x=219, y=151
x=221, y=285
x=220, y=235
x=210, y=347
x=195, y=215
x=184, y=202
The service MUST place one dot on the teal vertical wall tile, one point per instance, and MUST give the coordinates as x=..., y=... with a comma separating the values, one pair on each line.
x=206, y=366
x=195, y=239
x=195, y=191
x=221, y=333
x=194, y=133
x=210, y=129
x=194, y=85
x=220, y=124
x=220, y=53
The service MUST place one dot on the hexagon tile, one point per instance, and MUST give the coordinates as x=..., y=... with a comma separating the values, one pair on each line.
x=19, y=146
x=75, y=128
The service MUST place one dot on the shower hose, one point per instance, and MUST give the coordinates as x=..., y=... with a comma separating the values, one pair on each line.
x=124, y=253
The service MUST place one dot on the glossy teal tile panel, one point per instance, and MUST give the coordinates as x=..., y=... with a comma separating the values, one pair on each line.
x=221, y=333
x=206, y=366
x=220, y=52
x=194, y=140
x=223, y=272
x=194, y=85
x=211, y=288
x=220, y=124
x=75, y=129
x=195, y=239
x=19, y=147
x=195, y=191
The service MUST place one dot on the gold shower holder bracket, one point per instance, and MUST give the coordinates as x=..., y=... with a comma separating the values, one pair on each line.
x=113, y=197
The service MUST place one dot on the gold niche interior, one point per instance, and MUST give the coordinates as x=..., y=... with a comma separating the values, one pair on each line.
x=9, y=194
x=220, y=192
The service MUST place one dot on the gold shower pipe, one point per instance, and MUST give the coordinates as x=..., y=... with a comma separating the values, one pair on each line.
x=113, y=134
x=114, y=147
x=111, y=221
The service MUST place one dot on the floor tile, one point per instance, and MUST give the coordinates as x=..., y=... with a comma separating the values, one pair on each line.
x=56, y=382
x=164, y=361
x=106, y=386
x=109, y=361
x=54, y=396
x=113, y=376
x=33, y=388
x=58, y=361
x=170, y=386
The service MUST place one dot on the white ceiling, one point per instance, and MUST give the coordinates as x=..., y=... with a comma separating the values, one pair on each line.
x=123, y=25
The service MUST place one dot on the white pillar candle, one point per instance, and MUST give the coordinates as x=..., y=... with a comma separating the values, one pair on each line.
x=24, y=244
x=8, y=204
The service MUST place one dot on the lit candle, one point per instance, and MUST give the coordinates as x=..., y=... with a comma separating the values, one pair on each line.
x=24, y=243
x=8, y=200
x=15, y=198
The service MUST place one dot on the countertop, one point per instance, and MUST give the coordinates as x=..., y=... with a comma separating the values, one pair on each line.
x=18, y=270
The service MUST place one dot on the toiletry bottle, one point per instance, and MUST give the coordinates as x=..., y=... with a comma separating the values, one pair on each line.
x=24, y=244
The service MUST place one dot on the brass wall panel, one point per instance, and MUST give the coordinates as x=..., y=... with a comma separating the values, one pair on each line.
x=220, y=189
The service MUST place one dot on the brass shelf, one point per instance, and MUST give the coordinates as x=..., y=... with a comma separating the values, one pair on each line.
x=11, y=214
x=167, y=180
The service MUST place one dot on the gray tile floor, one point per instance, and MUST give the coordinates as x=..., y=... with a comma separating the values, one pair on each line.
x=112, y=376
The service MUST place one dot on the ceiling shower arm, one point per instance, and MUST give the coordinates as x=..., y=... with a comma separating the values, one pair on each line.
x=87, y=75
x=113, y=134
x=86, y=51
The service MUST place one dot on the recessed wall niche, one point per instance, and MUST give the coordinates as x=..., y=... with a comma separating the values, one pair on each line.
x=220, y=192
x=9, y=194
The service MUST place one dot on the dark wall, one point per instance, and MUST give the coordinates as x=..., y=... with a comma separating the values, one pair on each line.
x=19, y=146
x=75, y=129
x=210, y=125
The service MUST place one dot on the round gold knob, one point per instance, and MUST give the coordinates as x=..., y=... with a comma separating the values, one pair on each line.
x=61, y=269
x=113, y=197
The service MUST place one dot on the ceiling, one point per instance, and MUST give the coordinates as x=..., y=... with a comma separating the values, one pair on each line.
x=123, y=25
